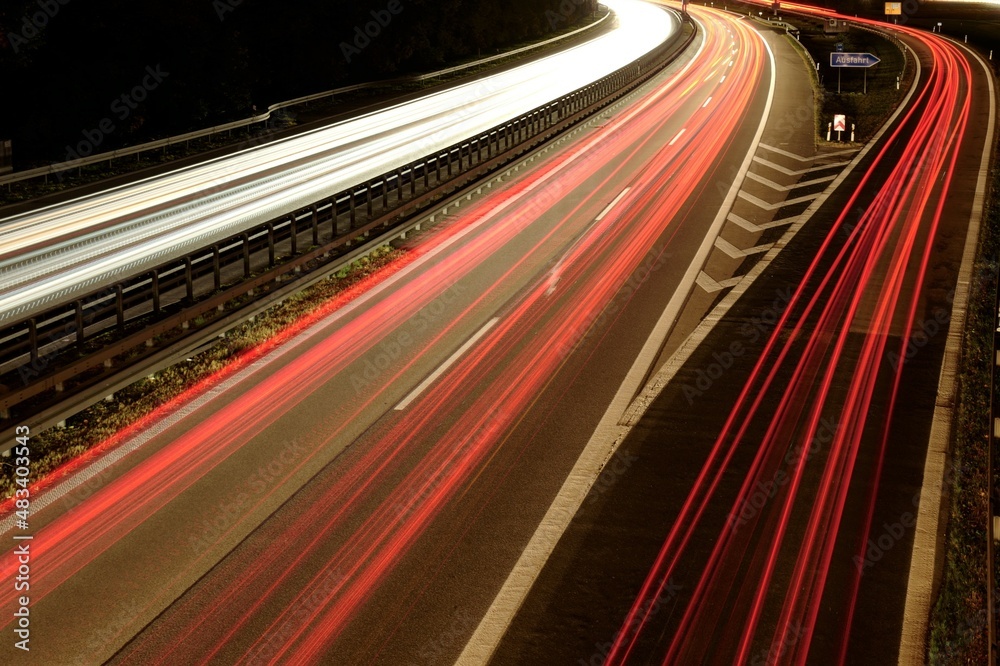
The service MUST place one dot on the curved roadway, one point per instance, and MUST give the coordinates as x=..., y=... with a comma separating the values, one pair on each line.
x=46, y=256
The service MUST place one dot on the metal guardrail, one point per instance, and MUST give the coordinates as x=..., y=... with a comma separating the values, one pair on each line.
x=109, y=156
x=75, y=339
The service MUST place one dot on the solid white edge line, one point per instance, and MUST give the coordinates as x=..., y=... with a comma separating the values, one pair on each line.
x=422, y=386
x=612, y=204
x=679, y=135
x=924, y=554
x=603, y=443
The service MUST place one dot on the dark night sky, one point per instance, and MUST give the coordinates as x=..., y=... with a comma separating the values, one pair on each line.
x=214, y=58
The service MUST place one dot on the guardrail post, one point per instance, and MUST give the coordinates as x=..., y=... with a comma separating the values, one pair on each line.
x=449, y=151
x=354, y=215
x=188, y=279
x=399, y=186
x=79, y=324
x=369, y=197
x=293, y=229
x=120, y=308
x=385, y=193
x=246, y=255
x=33, y=340
x=315, y=221
x=156, y=290
x=216, y=268
x=270, y=244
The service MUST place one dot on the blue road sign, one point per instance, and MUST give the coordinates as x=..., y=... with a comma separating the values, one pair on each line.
x=853, y=60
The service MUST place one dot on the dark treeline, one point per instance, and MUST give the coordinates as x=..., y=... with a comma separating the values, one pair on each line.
x=100, y=74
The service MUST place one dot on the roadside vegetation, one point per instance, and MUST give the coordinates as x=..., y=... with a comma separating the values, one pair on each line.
x=248, y=341
x=867, y=111
x=958, y=622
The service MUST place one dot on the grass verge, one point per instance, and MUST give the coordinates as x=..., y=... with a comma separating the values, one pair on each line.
x=958, y=620
x=867, y=111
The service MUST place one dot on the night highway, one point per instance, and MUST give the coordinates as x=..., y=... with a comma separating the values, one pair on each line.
x=615, y=349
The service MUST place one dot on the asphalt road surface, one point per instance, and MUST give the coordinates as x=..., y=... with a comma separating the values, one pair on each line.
x=307, y=508
x=768, y=511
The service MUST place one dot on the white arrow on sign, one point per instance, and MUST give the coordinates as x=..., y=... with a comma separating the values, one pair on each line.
x=853, y=60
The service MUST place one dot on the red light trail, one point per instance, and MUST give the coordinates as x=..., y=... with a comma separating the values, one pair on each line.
x=520, y=355
x=868, y=288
